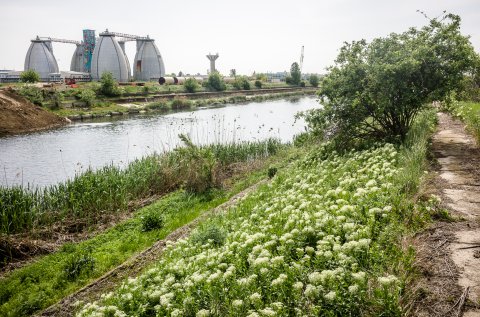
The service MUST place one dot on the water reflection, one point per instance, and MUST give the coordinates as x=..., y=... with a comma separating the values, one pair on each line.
x=52, y=156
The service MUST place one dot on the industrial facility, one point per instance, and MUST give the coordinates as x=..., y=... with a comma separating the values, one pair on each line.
x=92, y=57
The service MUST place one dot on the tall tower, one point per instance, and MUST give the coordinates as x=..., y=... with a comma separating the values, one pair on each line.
x=212, y=59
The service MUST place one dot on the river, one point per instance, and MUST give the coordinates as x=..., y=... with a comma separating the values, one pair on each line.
x=49, y=157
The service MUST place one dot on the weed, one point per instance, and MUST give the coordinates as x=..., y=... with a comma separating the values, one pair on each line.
x=152, y=221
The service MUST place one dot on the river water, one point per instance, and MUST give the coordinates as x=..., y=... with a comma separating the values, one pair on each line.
x=44, y=158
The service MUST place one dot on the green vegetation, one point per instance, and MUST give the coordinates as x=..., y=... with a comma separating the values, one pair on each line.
x=29, y=76
x=34, y=94
x=109, y=87
x=88, y=96
x=295, y=74
x=241, y=83
x=258, y=84
x=322, y=239
x=375, y=90
x=215, y=82
x=42, y=283
x=314, y=80
x=469, y=112
x=109, y=190
x=191, y=85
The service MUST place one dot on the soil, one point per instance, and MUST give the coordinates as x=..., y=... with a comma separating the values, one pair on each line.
x=448, y=251
x=111, y=280
x=18, y=115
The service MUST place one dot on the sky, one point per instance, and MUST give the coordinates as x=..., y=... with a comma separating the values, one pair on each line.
x=249, y=35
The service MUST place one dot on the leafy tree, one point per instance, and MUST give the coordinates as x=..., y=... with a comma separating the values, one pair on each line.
x=191, y=85
x=375, y=90
x=295, y=74
x=241, y=82
x=180, y=74
x=29, y=76
x=314, y=80
x=215, y=82
x=233, y=72
x=258, y=84
x=109, y=87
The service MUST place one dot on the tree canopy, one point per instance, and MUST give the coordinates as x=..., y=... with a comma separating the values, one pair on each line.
x=29, y=76
x=295, y=74
x=376, y=89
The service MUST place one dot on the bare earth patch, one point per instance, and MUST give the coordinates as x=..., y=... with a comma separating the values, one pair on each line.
x=448, y=253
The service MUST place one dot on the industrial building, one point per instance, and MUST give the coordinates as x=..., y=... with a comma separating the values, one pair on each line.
x=95, y=55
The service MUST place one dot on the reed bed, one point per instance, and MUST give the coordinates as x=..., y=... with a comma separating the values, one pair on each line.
x=110, y=189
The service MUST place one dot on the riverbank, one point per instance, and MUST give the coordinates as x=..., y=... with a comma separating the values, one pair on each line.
x=164, y=103
x=18, y=115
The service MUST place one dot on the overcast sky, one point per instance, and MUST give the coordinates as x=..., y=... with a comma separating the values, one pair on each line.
x=249, y=35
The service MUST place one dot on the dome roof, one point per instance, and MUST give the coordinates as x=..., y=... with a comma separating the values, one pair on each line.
x=77, y=64
x=109, y=57
x=40, y=58
x=148, y=62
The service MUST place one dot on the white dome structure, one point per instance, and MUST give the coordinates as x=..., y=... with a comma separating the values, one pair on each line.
x=77, y=64
x=108, y=56
x=148, y=62
x=40, y=58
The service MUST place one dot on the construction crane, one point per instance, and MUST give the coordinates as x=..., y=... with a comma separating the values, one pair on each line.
x=51, y=39
x=301, y=60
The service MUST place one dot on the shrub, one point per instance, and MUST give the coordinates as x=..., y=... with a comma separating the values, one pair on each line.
x=314, y=80
x=34, y=94
x=29, y=76
x=152, y=221
x=241, y=82
x=80, y=262
x=212, y=233
x=87, y=96
x=258, y=84
x=57, y=98
x=196, y=165
x=289, y=80
x=302, y=84
x=215, y=82
x=191, y=85
x=159, y=105
x=272, y=171
x=109, y=87
x=180, y=103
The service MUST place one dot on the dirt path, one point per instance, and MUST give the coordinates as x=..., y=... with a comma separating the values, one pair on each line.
x=448, y=253
x=135, y=265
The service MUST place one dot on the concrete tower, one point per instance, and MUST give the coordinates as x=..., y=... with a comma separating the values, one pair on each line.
x=212, y=59
x=148, y=62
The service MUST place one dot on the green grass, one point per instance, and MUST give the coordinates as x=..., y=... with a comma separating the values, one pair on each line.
x=110, y=189
x=469, y=112
x=323, y=239
x=45, y=281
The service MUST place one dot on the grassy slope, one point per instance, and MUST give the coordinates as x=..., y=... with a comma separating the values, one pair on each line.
x=44, y=282
x=274, y=263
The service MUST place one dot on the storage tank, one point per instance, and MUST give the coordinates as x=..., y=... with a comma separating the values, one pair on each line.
x=148, y=62
x=109, y=57
x=122, y=46
x=40, y=58
x=78, y=60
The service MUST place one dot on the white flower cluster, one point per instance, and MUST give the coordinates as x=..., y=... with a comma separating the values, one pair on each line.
x=302, y=244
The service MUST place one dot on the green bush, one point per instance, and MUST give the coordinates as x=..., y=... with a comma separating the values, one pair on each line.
x=191, y=85
x=302, y=84
x=109, y=87
x=29, y=76
x=215, y=82
x=241, y=83
x=152, y=221
x=57, y=98
x=87, y=96
x=314, y=80
x=258, y=84
x=34, y=94
x=180, y=103
x=78, y=263
x=210, y=233
x=295, y=74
